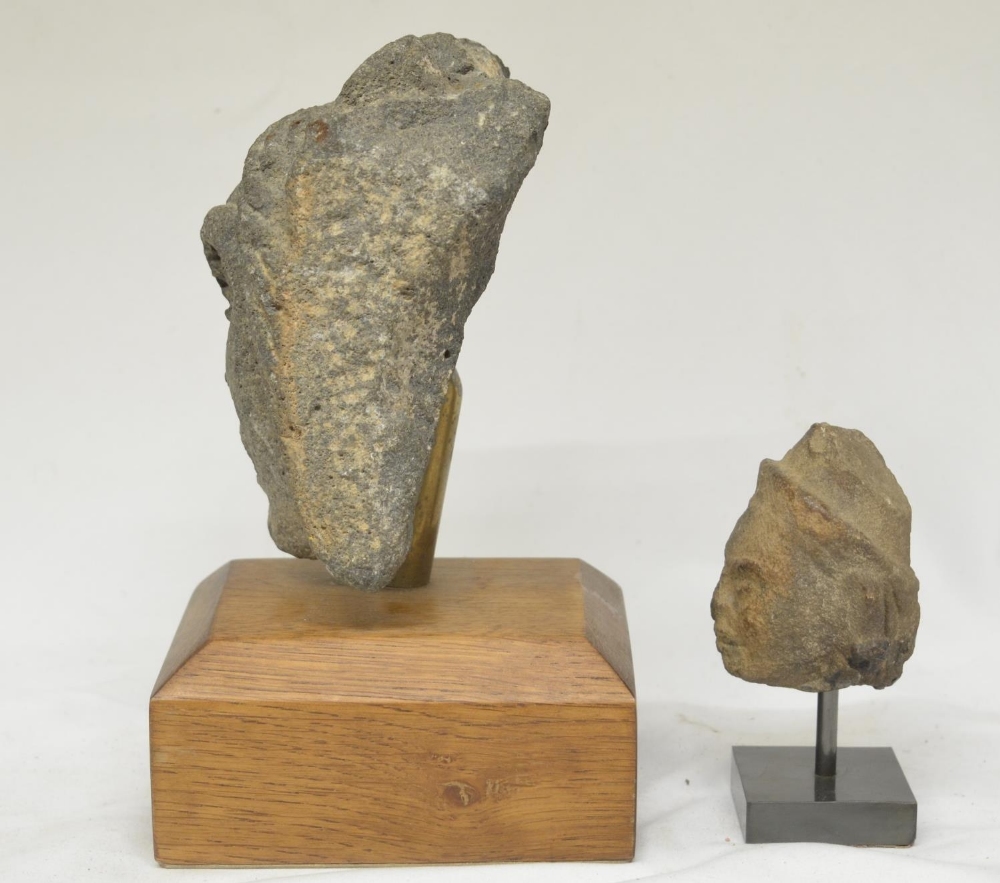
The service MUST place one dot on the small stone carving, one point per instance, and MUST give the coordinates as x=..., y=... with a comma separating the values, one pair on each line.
x=817, y=592
x=351, y=253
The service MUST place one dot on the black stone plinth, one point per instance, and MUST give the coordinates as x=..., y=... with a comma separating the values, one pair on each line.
x=780, y=799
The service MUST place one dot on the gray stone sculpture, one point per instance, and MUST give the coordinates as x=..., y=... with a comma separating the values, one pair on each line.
x=359, y=239
x=817, y=592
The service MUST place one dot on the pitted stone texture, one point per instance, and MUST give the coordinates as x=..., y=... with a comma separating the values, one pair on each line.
x=351, y=253
x=817, y=592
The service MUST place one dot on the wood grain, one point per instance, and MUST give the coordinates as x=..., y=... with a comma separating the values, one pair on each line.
x=471, y=720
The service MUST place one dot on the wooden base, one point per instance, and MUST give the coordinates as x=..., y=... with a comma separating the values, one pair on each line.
x=486, y=717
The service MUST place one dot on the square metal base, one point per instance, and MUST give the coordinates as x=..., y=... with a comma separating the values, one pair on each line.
x=779, y=799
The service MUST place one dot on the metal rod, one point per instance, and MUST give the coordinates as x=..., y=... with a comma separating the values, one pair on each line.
x=826, y=733
x=415, y=571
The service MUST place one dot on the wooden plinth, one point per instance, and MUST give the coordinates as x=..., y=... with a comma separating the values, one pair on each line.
x=487, y=717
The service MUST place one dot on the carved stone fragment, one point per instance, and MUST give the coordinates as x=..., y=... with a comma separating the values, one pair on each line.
x=359, y=239
x=817, y=592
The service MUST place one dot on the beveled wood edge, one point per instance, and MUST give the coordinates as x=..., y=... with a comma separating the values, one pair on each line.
x=605, y=621
x=195, y=625
x=606, y=629
x=606, y=625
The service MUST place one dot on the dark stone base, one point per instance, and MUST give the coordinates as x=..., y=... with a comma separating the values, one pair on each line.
x=779, y=799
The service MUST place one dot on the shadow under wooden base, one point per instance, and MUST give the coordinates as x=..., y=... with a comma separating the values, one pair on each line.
x=486, y=717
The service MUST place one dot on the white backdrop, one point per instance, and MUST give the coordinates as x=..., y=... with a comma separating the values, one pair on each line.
x=746, y=217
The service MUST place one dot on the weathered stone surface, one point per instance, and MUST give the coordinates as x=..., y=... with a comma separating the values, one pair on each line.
x=351, y=253
x=817, y=591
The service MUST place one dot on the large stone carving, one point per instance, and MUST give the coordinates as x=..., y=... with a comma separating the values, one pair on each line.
x=351, y=253
x=817, y=591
